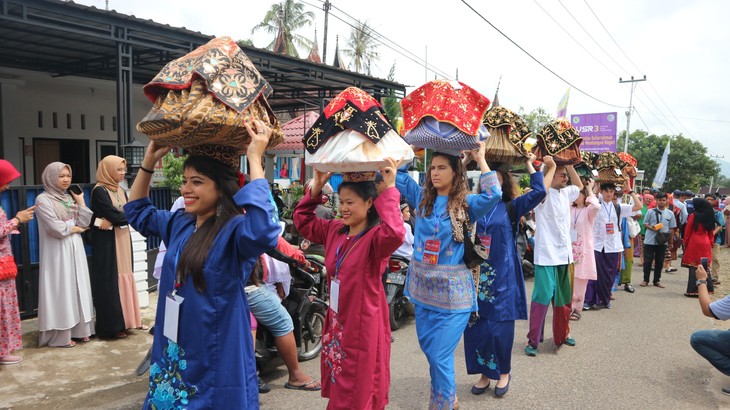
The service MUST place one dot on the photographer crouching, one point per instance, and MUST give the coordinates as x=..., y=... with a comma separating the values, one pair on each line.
x=713, y=345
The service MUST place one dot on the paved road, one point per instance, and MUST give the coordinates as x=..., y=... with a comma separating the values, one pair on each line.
x=633, y=356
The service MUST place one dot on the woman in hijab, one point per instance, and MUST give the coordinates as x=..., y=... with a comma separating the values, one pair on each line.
x=11, y=335
x=65, y=309
x=698, y=239
x=115, y=292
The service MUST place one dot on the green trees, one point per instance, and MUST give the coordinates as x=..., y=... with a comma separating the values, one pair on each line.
x=282, y=20
x=362, y=47
x=535, y=119
x=689, y=166
x=391, y=104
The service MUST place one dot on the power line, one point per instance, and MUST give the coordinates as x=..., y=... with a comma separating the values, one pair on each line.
x=536, y=60
x=574, y=39
x=609, y=35
x=642, y=121
x=589, y=35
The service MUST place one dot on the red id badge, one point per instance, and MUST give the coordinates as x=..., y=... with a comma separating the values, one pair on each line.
x=431, y=258
x=486, y=242
x=433, y=245
x=609, y=229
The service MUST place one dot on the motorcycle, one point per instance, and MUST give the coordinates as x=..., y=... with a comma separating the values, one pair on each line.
x=394, y=280
x=305, y=307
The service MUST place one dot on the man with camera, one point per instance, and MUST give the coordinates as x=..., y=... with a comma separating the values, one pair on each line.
x=713, y=345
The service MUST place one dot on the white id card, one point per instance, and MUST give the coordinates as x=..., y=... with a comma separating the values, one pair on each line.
x=573, y=235
x=334, y=295
x=172, y=316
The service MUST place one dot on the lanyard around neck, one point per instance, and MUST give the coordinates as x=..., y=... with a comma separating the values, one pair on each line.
x=338, y=259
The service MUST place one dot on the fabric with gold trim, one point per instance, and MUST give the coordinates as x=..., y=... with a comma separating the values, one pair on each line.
x=206, y=97
x=452, y=102
x=508, y=133
x=352, y=109
x=560, y=140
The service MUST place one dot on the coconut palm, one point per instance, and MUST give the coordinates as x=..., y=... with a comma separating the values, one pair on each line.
x=282, y=20
x=362, y=47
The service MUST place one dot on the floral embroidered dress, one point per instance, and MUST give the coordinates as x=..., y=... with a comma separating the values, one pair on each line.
x=11, y=336
x=440, y=284
x=355, y=361
x=501, y=294
x=212, y=365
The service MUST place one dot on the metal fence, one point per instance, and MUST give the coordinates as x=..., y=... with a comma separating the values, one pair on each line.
x=26, y=248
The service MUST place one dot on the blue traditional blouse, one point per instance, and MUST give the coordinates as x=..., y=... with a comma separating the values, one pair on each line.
x=501, y=291
x=443, y=283
x=212, y=365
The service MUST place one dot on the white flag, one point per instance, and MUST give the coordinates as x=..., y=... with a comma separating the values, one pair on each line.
x=661, y=172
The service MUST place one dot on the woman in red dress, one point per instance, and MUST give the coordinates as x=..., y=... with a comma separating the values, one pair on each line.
x=698, y=239
x=355, y=360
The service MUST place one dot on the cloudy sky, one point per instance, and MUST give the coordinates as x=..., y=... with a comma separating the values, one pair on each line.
x=681, y=46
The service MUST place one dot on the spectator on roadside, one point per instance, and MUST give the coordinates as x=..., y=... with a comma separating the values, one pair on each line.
x=647, y=199
x=670, y=253
x=11, y=336
x=323, y=211
x=553, y=255
x=713, y=345
x=112, y=277
x=406, y=249
x=659, y=219
x=688, y=197
x=698, y=239
x=720, y=220
x=65, y=307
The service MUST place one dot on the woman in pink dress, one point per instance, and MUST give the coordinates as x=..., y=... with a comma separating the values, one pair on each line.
x=355, y=360
x=582, y=214
x=11, y=335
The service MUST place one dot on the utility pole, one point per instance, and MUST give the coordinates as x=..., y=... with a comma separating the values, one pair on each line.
x=326, y=7
x=628, y=113
x=712, y=178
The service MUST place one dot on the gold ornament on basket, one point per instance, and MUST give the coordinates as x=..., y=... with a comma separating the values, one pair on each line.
x=203, y=100
x=560, y=140
x=509, y=134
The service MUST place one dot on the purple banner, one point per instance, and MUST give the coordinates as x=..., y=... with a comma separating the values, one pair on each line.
x=597, y=130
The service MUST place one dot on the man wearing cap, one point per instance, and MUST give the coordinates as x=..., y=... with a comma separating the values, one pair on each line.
x=608, y=245
x=688, y=195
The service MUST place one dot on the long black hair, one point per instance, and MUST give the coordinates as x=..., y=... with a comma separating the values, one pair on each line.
x=364, y=190
x=198, y=247
x=459, y=188
x=704, y=214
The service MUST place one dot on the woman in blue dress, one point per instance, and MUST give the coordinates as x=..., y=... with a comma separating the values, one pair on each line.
x=501, y=292
x=202, y=354
x=439, y=283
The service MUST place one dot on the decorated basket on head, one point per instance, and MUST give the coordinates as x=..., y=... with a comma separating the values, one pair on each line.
x=445, y=116
x=629, y=168
x=560, y=140
x=609, y=167
x=353, y=135
x=586, y=168
x=203, y=99
x=508, y=135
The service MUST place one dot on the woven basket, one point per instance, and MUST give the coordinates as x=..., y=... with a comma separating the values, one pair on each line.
x=561, y=141
x=508, y=133
x=190, y=117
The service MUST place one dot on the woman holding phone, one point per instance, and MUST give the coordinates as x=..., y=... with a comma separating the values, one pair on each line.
x=115, y=292
x=65, y=309
x=698, y=239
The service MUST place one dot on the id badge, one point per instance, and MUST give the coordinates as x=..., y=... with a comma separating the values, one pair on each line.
x=486, y=243
x=335, y=295
x=431, y=258
x=573, y=235
x=172, y=316
x=609, y=229
x=433, y=245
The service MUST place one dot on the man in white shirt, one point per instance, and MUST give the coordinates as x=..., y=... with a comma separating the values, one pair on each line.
x=553, y=255
x=607, y=245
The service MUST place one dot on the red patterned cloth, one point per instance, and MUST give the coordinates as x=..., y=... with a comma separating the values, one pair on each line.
x=11, y=335
x=628, y=158
x=228, y=74
x=463, y=107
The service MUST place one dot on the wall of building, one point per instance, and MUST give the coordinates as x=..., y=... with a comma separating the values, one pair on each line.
x=25, y=94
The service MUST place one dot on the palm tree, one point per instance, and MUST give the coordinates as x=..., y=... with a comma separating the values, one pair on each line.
x=283, y=19
x=362, y=47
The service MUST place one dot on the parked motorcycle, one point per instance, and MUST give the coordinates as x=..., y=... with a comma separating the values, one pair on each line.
x=306, y=308
x=394, y=280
